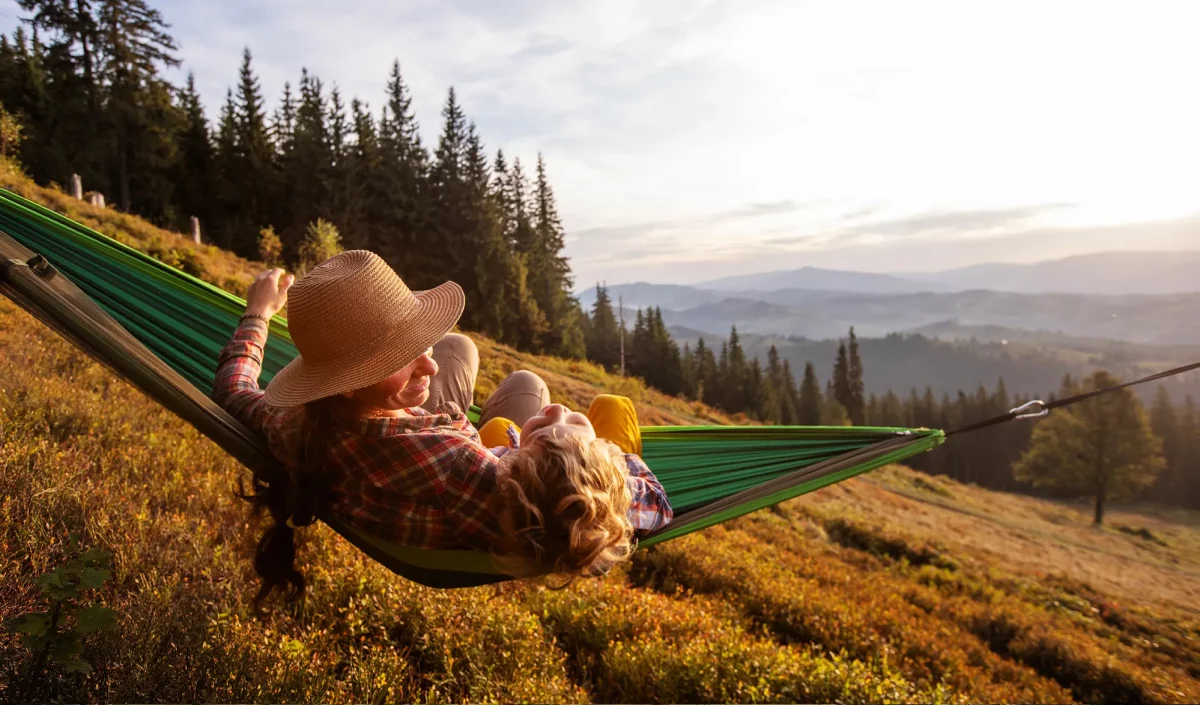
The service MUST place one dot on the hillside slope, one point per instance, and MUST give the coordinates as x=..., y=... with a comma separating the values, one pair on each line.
x=893, y=587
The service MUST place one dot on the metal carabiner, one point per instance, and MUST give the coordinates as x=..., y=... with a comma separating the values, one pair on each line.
x=1025, y=411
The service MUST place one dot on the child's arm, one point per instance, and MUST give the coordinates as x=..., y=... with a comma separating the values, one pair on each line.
x=650, y=508
x=615, y=418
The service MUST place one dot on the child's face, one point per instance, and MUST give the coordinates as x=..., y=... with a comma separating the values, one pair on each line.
x=556, y=421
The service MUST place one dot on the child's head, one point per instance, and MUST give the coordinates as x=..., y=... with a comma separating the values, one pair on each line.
x=562, y=501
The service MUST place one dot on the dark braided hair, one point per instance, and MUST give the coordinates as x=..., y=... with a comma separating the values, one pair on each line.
x=293, y=496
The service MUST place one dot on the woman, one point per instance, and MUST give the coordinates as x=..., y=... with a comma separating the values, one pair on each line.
x=369, y=421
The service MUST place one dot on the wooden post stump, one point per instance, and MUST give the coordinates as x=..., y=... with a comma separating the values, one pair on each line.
x=76, y=187
x=196, y=229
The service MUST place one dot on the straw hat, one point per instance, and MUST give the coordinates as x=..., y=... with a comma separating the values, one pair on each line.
x=355, y=323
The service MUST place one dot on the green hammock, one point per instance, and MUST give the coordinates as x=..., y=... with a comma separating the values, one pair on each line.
x=162, y=330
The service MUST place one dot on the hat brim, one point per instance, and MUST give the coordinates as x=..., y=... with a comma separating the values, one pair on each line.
x=301, y=381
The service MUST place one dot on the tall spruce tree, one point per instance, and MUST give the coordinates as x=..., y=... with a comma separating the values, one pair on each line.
x=789, y=414
x=808, y=409
x=357, y=197
x=707, y=385
x=736, y=397
x=193, y=176
x=402, y=204
x=552, y=274
x=252, y=183
x=306, y=164
x=56, y=91
x=855, y=405
x=526, y=323
x=603, y=344
x=456, y=247
x=839, y=383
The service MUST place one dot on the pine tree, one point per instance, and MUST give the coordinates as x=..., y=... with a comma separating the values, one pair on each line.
x=1102, y=447
x=502, y=293
x=283, y=122
x=194, y=175
x=54, y=90
x=736, y=397
x=342, y=205
x=252, y=183
x=753, y=388
x=855, y=406
x=891, y=412
x=359, y=196
x=707, y=386
x=138, y=108
x=227, y=211
x=603, y=344
x=789, y=416
x=526, y=324
x=840, y=389
x=808, y=410
x=454, y=256
x=552, y=274
x=402, y=204
x=687, y=361
x=305, y=167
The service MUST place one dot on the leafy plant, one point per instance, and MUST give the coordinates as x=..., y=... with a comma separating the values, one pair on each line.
x=321, y=241
x=270, y=247
x=10, y=133
x=58, y=632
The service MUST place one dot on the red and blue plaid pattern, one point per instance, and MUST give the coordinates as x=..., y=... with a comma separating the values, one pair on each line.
x=423, y=480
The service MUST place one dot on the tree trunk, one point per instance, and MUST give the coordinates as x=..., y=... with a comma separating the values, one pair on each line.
x=1098, y=518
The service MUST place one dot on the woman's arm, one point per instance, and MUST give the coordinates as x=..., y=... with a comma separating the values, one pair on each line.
x=240, y=363
x=650, y=508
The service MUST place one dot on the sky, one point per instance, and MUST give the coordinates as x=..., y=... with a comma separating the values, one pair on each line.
x=690, y=140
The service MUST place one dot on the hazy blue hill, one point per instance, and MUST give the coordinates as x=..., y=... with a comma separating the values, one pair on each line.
x=1163, y=319
x=1100, y=273
x=815, y=278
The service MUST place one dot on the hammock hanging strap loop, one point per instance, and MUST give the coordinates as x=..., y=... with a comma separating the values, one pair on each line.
x=1030, y=410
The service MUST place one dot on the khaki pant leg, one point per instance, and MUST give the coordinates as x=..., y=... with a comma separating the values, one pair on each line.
x=520, y=396
x=458, y=366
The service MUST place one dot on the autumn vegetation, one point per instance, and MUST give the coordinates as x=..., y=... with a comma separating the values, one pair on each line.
x=894, y=587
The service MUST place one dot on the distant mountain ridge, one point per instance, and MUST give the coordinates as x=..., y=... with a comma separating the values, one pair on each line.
x=1141, y=297
x=1160, y=320
x=1117, y=273
x=1130, y=272
x=820, y=279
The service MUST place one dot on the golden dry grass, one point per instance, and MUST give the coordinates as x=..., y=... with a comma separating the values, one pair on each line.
x=893, y=587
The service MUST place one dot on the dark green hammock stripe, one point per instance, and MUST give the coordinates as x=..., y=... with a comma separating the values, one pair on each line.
x=185, y=322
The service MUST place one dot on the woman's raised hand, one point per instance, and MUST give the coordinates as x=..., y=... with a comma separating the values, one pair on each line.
x=268, y=293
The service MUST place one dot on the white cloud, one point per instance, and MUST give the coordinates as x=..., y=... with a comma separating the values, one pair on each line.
x=660, y=119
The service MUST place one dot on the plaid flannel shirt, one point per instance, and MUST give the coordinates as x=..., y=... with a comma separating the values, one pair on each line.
x=422, y=480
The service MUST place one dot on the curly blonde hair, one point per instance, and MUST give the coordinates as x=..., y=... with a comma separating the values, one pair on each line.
x=562, y=508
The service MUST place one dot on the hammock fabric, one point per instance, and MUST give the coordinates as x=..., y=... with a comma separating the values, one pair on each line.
x=162, y=330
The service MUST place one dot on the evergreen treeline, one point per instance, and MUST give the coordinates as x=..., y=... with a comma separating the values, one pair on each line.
x=727, y=379
x=86, y=83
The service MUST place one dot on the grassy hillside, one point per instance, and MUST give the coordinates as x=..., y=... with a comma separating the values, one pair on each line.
x=893, y=587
